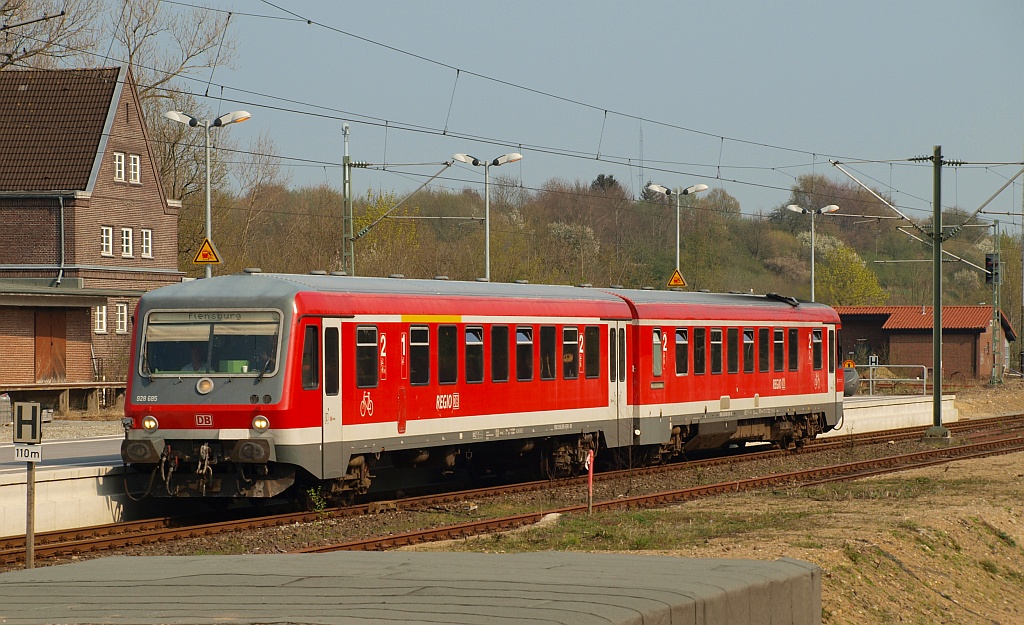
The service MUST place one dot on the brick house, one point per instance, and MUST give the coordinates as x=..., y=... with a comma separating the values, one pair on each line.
x=902, y=335
x=86, y=228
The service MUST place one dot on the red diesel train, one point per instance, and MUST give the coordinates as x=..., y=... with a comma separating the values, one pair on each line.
x=249, y=384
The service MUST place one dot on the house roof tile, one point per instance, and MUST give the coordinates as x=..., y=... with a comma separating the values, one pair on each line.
x=53, y=123
x=920, y=317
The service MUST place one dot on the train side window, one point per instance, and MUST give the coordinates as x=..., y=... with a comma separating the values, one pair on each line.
x=763, y=353
x=310, y=358
x=622, y=354
x=779, y=349
x=816, y=347
x=419, y=355
x=548, y=349
x=794, y=349
x=831, y=351
x=748, y=350
x=447, y=354
x=699, y=351
x=732, y=360
x=499, y=353
x=682, y=351
x=474, y=354
x=524, y=353
x=366, y=356
x=570, y=353
x=592, y=351
x=656, y=357
x=332, y=362
x=716, y=350
x=613, y=351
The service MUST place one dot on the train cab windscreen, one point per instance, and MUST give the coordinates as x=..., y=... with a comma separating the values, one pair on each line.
x=176, y=343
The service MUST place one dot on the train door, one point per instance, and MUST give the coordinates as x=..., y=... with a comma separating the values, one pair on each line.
x=331, y=447
x=617, y=372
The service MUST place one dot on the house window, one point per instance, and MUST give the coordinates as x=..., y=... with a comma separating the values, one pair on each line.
x=126, y=242
x=119, y=166
x=147, y=243
x=106, y=241
x=101, y=320
x=133, y=169
x=122, y=318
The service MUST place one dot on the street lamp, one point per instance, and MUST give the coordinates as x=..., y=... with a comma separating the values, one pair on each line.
x=511, y=157
x=831, y=208
x=233, y=117
x=697, y=188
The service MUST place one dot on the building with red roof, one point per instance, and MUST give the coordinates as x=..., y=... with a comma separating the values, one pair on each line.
x=902, y=335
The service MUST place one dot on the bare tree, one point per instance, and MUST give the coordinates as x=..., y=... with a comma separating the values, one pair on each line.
x=47, y=33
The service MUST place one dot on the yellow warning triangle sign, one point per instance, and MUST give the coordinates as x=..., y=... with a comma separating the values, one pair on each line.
x=207, y=254
x=676, y=280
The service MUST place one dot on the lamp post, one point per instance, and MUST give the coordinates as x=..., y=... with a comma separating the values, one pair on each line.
x=831, y=208
x=697, y=188
x=511, y=157
x=233, y=117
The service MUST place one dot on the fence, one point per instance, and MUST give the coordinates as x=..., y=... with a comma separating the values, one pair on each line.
x=891, y=384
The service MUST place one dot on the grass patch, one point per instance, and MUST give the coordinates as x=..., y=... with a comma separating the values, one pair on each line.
x=635, y=531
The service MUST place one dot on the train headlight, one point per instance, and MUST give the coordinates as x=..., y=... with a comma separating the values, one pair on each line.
x=149, y=423
x=204, y=386
x=260, y=423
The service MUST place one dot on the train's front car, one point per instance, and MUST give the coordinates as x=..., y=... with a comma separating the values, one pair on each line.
x=206, y=391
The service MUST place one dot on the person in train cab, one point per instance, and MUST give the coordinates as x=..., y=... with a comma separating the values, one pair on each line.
x=265, y=358
x=195, y=362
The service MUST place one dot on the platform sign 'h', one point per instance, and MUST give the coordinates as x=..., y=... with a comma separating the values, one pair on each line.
x=28, y=423
x=28, y=430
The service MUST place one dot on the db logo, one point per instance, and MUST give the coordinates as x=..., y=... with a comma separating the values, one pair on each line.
x=204, y=420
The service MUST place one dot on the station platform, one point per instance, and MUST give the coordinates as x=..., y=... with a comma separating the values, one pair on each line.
x=416, y=588
x=76, y=497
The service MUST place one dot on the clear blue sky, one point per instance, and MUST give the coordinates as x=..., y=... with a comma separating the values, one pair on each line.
x=742, y=95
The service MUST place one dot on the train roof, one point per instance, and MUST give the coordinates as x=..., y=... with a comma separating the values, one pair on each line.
x=281, y=290
x=651, y=304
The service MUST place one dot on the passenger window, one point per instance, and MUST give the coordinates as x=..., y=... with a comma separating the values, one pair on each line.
x=612, y=351
x=570, y=353
x=780, y=349
x=332, y=362
x=816, y=347
x=499, y=353
x=716, y=350
x=763, y=353
x=832, y=351
x=548, y=349
x=419, y=355
x=524, y=353
x=794, y=349
x=447, y=354
x=366, y=356
x=622, y=355
x=748, y=350
x=310, y=358
x=699, y=351
x=656, y=357
x=732, y=353
x=474, y=354
x=592, y=351
x=682, y=351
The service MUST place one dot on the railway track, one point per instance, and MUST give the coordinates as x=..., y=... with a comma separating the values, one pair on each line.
x=999, y=433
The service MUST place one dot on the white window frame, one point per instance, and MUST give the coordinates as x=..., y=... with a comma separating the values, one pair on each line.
x=121, y=326
x=134, y=168
x=106, y=241
x=126, y=242
x=146, y=244
x=101, y=320
x=119, y=166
